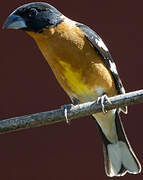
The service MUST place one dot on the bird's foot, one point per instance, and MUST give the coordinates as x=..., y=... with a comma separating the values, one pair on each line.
x=102, y=100
x=65, y=108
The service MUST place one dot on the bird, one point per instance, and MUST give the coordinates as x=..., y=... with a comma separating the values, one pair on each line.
x=85, y=69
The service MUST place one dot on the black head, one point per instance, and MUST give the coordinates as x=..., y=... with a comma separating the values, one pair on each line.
x=33, y=17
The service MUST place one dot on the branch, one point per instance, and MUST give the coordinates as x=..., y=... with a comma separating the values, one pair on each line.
x=54, y=116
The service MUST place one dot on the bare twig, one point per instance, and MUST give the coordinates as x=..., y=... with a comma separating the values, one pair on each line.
x=54, y=116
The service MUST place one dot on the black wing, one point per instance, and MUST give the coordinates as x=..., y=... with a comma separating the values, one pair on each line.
x=101, y=48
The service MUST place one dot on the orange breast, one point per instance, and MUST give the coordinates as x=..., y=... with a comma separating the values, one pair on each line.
x=77, y=66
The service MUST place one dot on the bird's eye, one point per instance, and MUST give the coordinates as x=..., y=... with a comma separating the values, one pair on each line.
x=32, y=12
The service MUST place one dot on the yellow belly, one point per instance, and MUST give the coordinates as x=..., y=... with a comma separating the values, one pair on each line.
x=86, y=84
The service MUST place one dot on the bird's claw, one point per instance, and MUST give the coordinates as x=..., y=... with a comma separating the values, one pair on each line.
x=65, y=109
x=102, y=100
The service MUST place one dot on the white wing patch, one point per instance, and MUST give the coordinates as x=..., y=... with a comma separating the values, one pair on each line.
x=113, y=67
x=101, y=44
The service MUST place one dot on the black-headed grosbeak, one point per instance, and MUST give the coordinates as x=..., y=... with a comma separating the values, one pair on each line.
x=85, y=69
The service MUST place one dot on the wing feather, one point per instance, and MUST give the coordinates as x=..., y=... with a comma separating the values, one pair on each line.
x=101, y=48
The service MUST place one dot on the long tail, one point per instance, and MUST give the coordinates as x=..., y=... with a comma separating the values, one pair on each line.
x=119, y=156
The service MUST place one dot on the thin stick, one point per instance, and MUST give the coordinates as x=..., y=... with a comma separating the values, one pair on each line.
x=73, y=112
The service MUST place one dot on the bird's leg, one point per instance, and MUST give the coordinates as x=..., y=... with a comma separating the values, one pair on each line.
x=75, y=101
x=102, y=100
x=65, y=108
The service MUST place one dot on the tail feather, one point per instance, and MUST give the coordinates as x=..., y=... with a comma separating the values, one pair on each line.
x=119, y=156
x=128, y=156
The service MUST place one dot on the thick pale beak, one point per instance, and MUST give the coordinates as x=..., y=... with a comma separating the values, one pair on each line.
x=14, y=22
